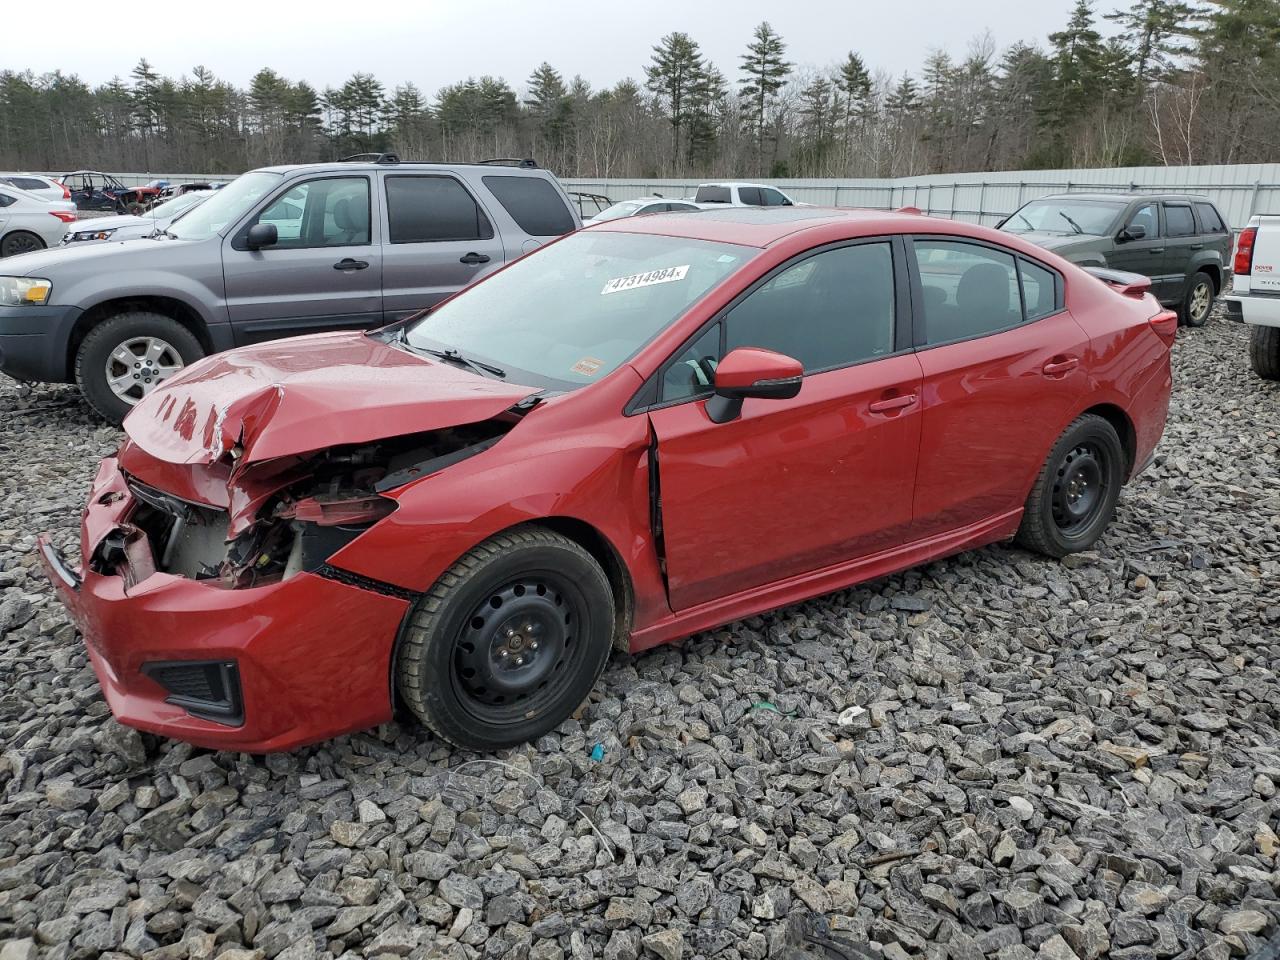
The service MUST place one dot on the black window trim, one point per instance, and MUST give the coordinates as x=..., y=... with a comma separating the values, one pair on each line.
x=493, y=230
x=241, y=234
x=919, y=335
x=648, y=397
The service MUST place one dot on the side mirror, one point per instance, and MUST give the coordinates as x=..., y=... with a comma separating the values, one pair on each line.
x=1134, y=231
x=752, y=372
x=262, y=235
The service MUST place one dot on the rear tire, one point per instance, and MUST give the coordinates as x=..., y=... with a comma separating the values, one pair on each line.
x=1074, y=497
x=20, y=241
x=140, y=333
x=1264, y=351
x=508, y=642
x=1197, y=303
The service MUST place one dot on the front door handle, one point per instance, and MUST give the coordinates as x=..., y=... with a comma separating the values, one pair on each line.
x=1059, y=366
x=1157, y=249
x=346, y=263
x=892, y=403
x=1197, y=246
x=473, y=257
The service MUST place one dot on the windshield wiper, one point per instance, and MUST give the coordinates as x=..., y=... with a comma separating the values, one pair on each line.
x=1025, y=220
x=1074, y=226
x=453, y=356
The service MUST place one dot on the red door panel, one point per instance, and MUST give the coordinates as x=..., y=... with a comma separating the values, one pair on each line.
x=992, y=408
x=791, y=485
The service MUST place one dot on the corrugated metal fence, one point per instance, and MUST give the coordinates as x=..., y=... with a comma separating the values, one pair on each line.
x=1239, y=190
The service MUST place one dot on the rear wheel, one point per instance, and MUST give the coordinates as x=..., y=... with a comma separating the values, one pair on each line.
x=1074, y=497
x=20, y=241
x=126, y=357
x=1198, y=302
x=1264, y=351
x=508, y=642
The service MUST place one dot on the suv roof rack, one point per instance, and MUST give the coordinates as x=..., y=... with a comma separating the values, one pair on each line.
x=525, y=163
x=372, y=158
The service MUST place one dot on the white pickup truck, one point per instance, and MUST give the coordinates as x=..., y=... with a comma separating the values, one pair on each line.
x=1255, y=297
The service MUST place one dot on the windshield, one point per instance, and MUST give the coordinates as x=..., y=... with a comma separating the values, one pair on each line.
x=1065, y=216
x=227, y=205
x=569, y=315
x=624, y=209
x=171, y=208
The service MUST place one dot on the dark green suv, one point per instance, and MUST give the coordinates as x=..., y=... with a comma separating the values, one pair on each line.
x=1181, y=242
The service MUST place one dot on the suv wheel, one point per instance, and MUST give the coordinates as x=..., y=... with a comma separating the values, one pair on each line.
x=20, y=241
x=1198, y=302
x=1264, y=351
x=126, y=357
x=508, y=642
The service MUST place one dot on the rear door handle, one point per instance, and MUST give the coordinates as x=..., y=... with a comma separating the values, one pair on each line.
x=1060, y=365
x=346, y=263
x=892, y=403
x=473, y=257
x=1157, y=249
x=1197, y=246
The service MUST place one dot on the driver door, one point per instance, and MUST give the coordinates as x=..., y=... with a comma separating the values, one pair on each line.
x=1145, y=256
x=792, y=486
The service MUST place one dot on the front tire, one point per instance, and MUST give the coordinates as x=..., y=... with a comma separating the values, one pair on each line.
x=20, y=241
x=1197, y=303
x=1264, y=351
x=508, y=642
x=126, y=357
x=1074, y=497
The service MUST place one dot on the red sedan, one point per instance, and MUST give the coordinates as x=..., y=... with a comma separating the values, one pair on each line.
x=642, y=431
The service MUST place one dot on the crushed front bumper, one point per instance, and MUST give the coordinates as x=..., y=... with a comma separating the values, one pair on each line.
x=311, y=655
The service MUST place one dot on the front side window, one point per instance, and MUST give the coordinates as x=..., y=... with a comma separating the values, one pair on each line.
x=828, y=310
x=432, y=209
x=571, y=313
x=692, y=372
x=1179, y=220
x=969, y=290
x=1147, y=217
x=534, y=204
x=225, y=207
x=332, y=212
x=772, y=198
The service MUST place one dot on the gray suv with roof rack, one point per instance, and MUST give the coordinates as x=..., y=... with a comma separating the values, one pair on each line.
x=278, y=252
x=1180, y=241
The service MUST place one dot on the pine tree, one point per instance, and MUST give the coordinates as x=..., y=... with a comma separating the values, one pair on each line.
x=674, y=75
x=1157, y=31
x=764, y=72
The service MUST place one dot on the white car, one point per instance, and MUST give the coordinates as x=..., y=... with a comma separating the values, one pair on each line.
x=46, y=188
x=1255, y=292
x=640, y=208
x=129, y=227
x=735, y=194
x=29, y=223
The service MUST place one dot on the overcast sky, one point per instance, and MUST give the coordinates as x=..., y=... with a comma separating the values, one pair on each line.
x=435, y=42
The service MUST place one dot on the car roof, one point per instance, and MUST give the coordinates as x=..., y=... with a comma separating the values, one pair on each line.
x=333, y=166
x=1125, y=197
x=761, y=226
x=733, y=183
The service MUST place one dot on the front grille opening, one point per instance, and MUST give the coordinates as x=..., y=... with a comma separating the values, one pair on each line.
x=207, y=689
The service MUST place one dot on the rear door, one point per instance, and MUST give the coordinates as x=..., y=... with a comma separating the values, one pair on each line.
x=1214, y=232
x=999, y=377
x=1181, y=244
x=439, y=240
x=792, y=486
x=324, y=272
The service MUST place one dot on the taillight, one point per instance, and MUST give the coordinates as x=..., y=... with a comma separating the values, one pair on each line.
x=63, y=215
x=1166, y=326
x=1244, y=251
x=66, y=193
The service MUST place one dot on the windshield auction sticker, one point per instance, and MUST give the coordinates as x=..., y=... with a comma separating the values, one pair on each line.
x=649, y=279
x=587, y=366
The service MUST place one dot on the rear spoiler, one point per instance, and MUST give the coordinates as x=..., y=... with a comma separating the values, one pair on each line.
x=1130, y=284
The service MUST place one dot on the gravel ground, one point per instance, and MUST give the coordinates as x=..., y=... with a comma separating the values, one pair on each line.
x=997, y=755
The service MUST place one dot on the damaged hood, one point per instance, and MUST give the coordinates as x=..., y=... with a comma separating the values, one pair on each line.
x=295, y=396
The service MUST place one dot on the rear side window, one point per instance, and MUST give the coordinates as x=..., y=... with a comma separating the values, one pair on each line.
x=969, y=290
x=534, y=204
x=750, y=196
x=1209, y=218
x=5, y=200
x=713, y=195
x=1039, y=290
x=27, y=183
x=1178, y=219
x=433, y=209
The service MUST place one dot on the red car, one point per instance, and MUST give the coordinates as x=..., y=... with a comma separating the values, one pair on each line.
x=642, y=431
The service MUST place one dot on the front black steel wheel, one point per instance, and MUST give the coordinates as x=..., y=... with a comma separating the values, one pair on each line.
x=508, y=642
x=1075, y=494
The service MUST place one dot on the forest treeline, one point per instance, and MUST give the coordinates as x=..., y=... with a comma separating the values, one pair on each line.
x=1175, y=82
